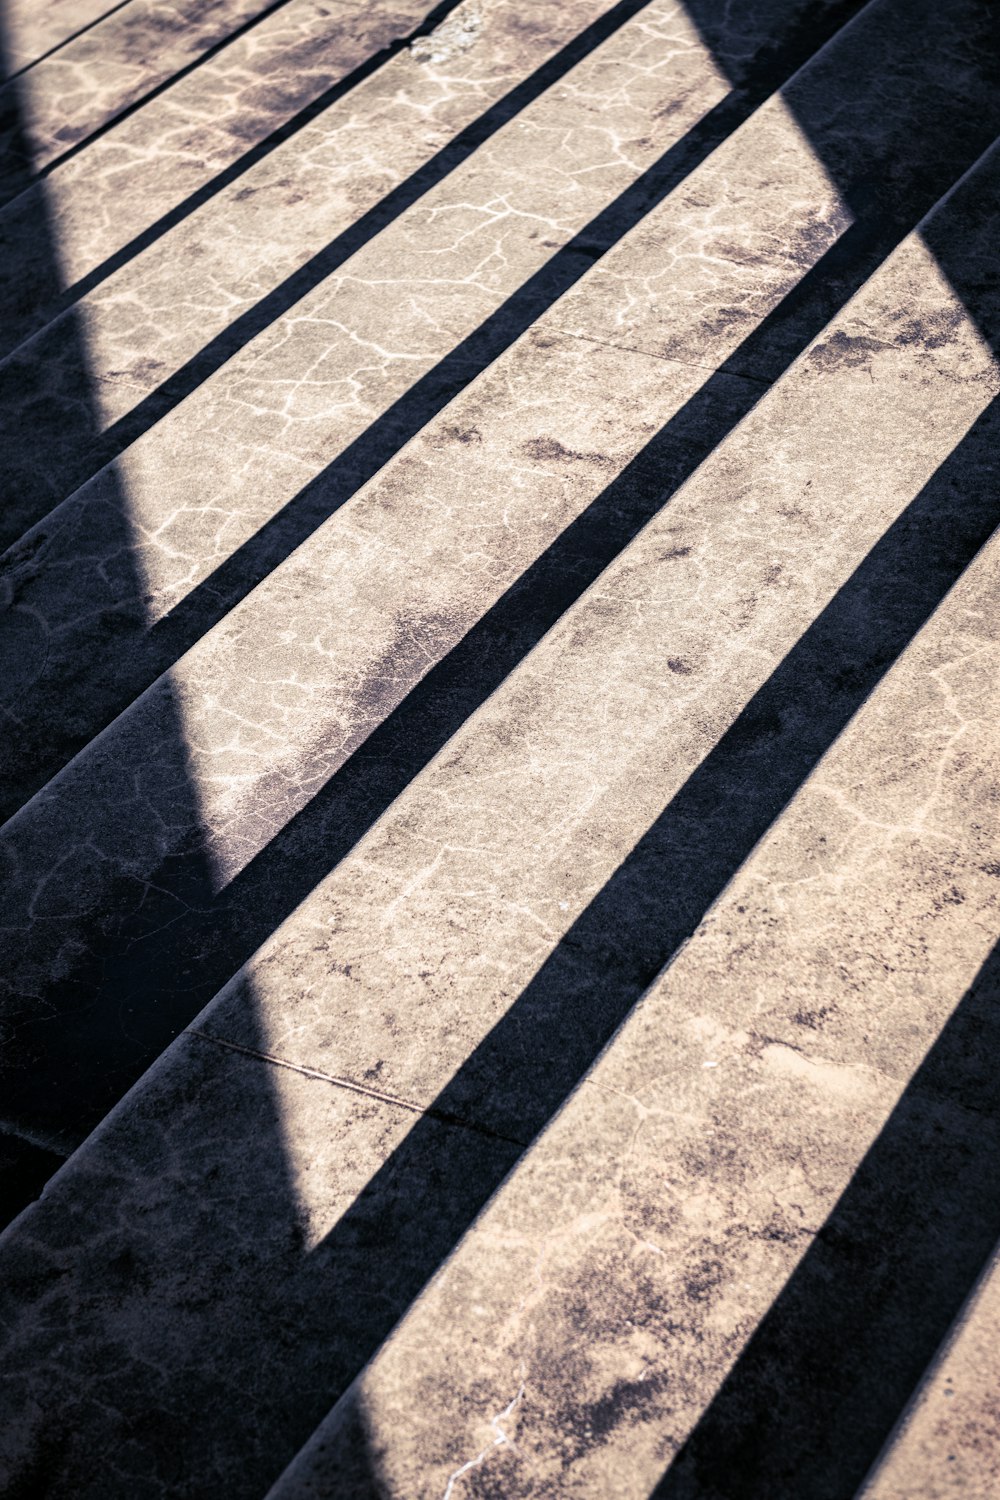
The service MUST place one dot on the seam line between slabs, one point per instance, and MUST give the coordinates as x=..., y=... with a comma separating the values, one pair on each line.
x=357, y=1088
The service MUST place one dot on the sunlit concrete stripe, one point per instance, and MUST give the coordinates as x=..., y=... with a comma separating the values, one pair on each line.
x=67, y=96
x=458, y=896
x=31, y=30
x=404, y=300
x=466, y=246
x=184, y=790
x=152, y=164
x=144, y=542
x=948, y=1444
x=583, y=1327
x=222, y=1233
x=133, y=544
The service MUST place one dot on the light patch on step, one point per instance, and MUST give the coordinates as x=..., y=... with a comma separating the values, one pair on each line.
x=846, y=1085
x=455, y=35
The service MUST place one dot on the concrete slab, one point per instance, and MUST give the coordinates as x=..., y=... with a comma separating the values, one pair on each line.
x=56, y=105
x=135, y=548
x=948, y=1442
x=134, y=843
x=153, y=168
x=174, y=1327
x=723, y=1268
x=30, y=31
x=443, y=986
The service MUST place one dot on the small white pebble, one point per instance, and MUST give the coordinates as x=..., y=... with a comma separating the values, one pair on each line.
x=710, y=1065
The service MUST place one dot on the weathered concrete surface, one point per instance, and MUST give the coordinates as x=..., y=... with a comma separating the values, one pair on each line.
x=585, y=836
x=68, y=95
x=102, y=204
x=31, y=30
x=454, y=258
x=177, y=798
x=767, y=1113
x=141, y=545
x=231, y=1327
x=465, y=964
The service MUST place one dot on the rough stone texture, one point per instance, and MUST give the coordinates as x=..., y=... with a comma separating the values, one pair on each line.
x=67, y=96
x=136, y=543
x=764, y=1177
x=136, y=546
x=116, y=866
x=31, y=29
x=186, y=1325
x=464, y=966
x=585, y=837
x=99, y=207
x=462, y=249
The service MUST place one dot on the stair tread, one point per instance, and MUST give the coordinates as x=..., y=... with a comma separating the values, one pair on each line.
x=469, y=870
x=31, y=30
x=748, y=1227
x=196, y=779
x=500, y=897
x=80, y=578
x=128, y=186
x=949, y=1442
x=54, y=107
x=154, y=318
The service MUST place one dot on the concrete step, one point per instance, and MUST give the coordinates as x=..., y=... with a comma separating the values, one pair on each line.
x=135, y=548
x=30, y=30
x=100, y=207
x=724, y=1266
x=145, y=341
x=947, y=1443
x=248, y=1225
x=151, y=334
x=161, y=857
x=79, y=89
x=83, y=595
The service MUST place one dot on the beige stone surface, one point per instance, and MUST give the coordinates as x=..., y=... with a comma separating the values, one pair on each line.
x=579, y=1331
x=278, y=696
x=286, y=198
x=291, y=425
x=508, y=1008
x=462, y=891
x=31, y=30
x=102, y=71
x=174, y=1315
x=582, y=1328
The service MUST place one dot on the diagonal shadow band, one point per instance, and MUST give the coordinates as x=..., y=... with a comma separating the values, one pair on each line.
x=435, y=170
x=92, y=694
x=16, y=171
x=77, y=451
x=424, y=1195
x=363, y=458
x=26, y=1164
x=47, y=299
x=64, y=41
x=177, y=944
x=175, y=954
x=805, y=1411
